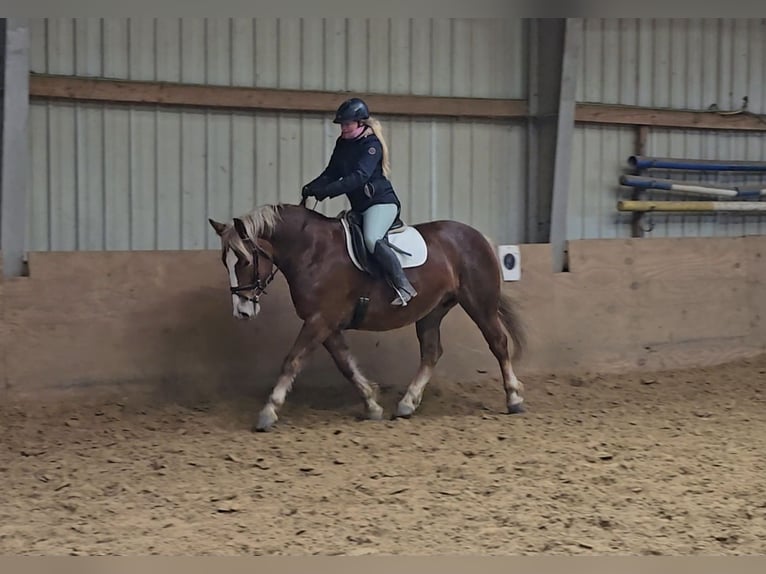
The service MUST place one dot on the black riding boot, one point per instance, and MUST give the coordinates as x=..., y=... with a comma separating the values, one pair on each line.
x=390, y=263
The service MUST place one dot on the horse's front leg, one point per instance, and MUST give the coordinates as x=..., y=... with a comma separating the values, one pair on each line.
x=310, y=336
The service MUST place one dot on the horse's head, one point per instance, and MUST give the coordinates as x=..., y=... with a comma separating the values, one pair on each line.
x=249, y=265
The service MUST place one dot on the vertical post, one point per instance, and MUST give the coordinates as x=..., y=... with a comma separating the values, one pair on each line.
x=15, y=145
x=533, y=105
x=637, y=193
x=546, y=44
x=564, y=140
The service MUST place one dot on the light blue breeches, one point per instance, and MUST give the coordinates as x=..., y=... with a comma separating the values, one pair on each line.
x=377, y=220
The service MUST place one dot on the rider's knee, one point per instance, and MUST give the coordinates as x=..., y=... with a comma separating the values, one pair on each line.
x=370, y=243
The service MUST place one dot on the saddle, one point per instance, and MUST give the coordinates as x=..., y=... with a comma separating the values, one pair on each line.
x=406, y=241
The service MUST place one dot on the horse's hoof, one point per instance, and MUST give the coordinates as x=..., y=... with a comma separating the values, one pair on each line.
x=265, y=423
x=404, y=411
x=516, y=409
x=262, y=426
x=375, y=414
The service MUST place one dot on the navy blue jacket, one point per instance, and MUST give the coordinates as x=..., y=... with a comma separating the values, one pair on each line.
x=356, y=169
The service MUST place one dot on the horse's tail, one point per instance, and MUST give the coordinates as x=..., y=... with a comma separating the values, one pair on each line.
x=511, y=320
x=508, y=312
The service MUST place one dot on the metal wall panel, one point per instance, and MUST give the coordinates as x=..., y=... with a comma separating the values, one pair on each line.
x=680, y=64
x=443, y=57
x=107, y=177
x=675, y=63
x=148, y=179
x=599, y=156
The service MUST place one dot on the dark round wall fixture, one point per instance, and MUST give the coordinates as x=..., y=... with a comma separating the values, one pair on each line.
x=509, y=261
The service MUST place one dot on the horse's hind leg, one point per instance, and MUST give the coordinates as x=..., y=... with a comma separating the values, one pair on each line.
x=428, y=330
x=338, y=349
x=487, y=319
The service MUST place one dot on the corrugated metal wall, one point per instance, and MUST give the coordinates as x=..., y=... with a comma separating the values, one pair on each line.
x=143, y=178
x=682, y=64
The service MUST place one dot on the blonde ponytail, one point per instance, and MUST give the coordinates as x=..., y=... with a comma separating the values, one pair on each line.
x=377, y=129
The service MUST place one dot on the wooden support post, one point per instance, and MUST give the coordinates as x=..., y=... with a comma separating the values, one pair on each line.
x=15, y=146
x=564, y=140
x=636, y=219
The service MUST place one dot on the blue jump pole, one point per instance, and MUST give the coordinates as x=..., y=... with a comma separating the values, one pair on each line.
x=645, y=162
x=695, y=187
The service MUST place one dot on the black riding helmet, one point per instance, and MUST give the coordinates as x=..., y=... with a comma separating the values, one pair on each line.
x=351, y=110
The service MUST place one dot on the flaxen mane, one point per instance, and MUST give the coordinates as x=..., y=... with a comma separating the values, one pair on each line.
x=260, y=222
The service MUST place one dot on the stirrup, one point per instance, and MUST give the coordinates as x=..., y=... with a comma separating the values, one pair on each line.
x=400, y=300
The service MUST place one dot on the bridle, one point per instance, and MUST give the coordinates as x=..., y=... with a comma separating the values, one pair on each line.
x=259, y=285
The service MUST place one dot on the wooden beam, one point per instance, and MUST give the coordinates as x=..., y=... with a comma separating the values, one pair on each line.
x=15, y=147
x=70, y=88
x=227, y=97
x=637, y=116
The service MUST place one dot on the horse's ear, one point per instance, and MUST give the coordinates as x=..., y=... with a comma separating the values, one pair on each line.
x=217, y=225
x=240, y=227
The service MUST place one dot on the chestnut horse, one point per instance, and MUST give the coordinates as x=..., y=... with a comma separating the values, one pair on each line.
x=328, y=291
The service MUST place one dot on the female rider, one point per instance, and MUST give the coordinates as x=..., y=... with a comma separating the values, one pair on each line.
x=359, y=167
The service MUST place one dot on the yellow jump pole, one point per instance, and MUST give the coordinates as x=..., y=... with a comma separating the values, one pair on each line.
x=690, y=206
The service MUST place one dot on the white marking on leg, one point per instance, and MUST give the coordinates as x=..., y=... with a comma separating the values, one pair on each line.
x=367, y=388
x=285, y=381
x=268, y=414
x=414, y=394
x=279, y=394
x=514, y=386
x=291, y=368
x=277, y=398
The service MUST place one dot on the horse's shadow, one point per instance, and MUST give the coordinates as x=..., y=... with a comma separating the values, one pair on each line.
x=205, y=356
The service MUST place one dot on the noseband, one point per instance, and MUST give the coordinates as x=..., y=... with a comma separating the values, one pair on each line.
x=259, y=285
